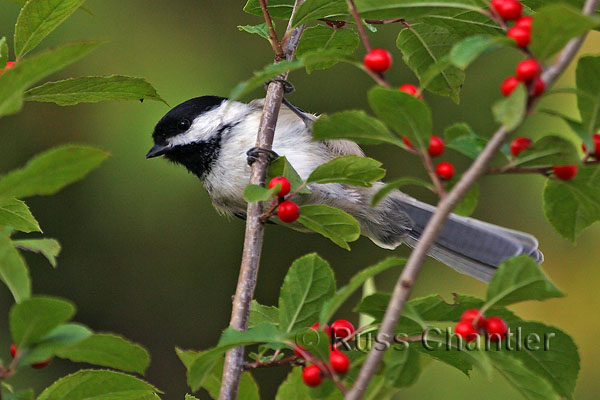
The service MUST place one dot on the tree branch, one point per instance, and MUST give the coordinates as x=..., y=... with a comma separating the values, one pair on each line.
x=234, y=359
x=405, y=283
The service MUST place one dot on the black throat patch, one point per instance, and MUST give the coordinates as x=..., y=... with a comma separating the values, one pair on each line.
x=199, y=157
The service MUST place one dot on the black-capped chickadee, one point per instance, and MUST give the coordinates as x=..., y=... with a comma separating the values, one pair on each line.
x=210, y=136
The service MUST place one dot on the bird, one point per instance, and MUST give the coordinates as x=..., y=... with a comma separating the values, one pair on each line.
x=215, y=138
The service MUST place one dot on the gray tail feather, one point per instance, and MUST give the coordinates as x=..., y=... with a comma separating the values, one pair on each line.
x=468, y=245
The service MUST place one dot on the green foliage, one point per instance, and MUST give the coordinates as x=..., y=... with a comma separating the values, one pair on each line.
x=315, y=38
x=3, y=52
x=261, y=30
x=397, y=184
x=49, y=248
x=350, y=170
x=13, y=270
x=588, y=93
x=510, y=111
x=467, y=205
x=282, y=167
x=311, y=10
x=277, y=8
x=353, y=125
x=260, y=313
x=460, y=137
x=256, y=193
x=15, y=214
x=549, y=150
x=63, y=335
x=467, y=50
x=333, y=223
x=387, y=9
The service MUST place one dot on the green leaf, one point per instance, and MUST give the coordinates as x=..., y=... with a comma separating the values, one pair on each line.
x=350, y=170
x=549, y=150
x=386, y=9
x=546, y=39
x=465, y=23
x=334, y=303
x=424, y=45
x=308, y=284
x=519, y=279
x=468, y=203
x=261, y=333
x=572, y=206
x=15, y=214
x=277, y=8
x=333, y=223
x=38, y=18
x=13, y=270
x=108, y=350
x=319, y=37
x=588, y=97
x=282, y=167
x=312, y=10
x=92, y=89
x=353, y=125
x=49, y=248
x=49, y=172
x=405, y=114
x=467, y=50
x=62, y=336
x=32, y=69
x=402, y=367
x=576, y=126
x=3, y=52
x=262, y=76
x=460, y=137
x=190, y=397
x=397, y=184
x=261, y=30
x=35, y=317
x=293, y=388
x=510, y=111
x=260, y=313
x=256, y=193
x=527, y=382
x=248, y=389
x=21, y=395
x=91, y=384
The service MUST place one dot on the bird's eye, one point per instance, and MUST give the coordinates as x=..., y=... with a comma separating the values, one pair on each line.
x=183, y=125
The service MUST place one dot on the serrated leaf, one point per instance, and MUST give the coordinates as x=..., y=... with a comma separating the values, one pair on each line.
x=49, y=172
x=312, y=10
x=378, y=9
x=88, y=384
x=465, y=23
x=355, y=283
x=467, y=205
x=38, y=18
x=546, y=39
x=34, y=318
x=319, y=37
x=460, y=137
x=293, y=388
x=572, y=206
x=256, y=193
x=49, y=248
x=402, y=367
x=403, y=113
x=3, y=52
x=62, y=336
x=13, y=270
x=576, y=126
x=353, y=125
x=549, y=150
x=282, y=167
x=588, y=96
x=261, y=30
x=333, y=223
x=32, y=69
x=277, y=8
x=108, y=350
x=467, y=50
x=519, y=279
x=261, y=333
x=424, y=45
x=350, y=170
x=15, y=214
x=397, y=184
x=92, y=89
x=510, y=111
x=308, y=284
x=260, y=313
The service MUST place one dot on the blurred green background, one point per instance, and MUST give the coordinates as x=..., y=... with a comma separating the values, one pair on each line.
x=145, y=254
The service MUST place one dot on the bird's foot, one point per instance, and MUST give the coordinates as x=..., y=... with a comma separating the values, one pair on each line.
x=254, y=153
x=288, y=88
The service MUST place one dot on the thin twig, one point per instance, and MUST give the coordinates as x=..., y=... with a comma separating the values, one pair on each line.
x=405, y=283
x=277, y=49
x=359, y=25
x=387, y=21
x=234, y=359
x=437, y=183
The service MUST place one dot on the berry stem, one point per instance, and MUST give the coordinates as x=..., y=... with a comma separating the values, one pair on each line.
x=275, y=44
x=438, y=186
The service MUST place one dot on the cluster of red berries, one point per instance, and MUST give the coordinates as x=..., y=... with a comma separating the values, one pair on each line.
x=8, y=66
x=473, y=322
x=443, y=170
x=596, y=152
x=313, y=374
x=40, y=365
x=287, y=211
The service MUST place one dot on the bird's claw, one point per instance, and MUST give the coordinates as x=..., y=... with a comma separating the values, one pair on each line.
x=254, y=153
x=287, y=85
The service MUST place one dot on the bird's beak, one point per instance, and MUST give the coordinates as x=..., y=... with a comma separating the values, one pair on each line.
x=157, y=150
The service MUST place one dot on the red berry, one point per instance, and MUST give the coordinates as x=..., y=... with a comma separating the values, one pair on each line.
x=565, y=172
x=411, y=89
x=342, y=328
x=336, y=24
x=496, y=328
x=471, y=315
x=378, y=60
x=326, y=328
x=436, y=146
x=539, y=87
x=285, y=185
x=9, y=65
x=339, y=361
x=42, y=364
x=519, y=144
x=445, y=170
x=520, y=35
x=288, y=211
x=596, y=139
x=528, y=70
x=509, y=85
x=524, y=22
x=508, y=9
x=13, y=350
x=466, y=331
x=311, y=375
x=407, y=142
